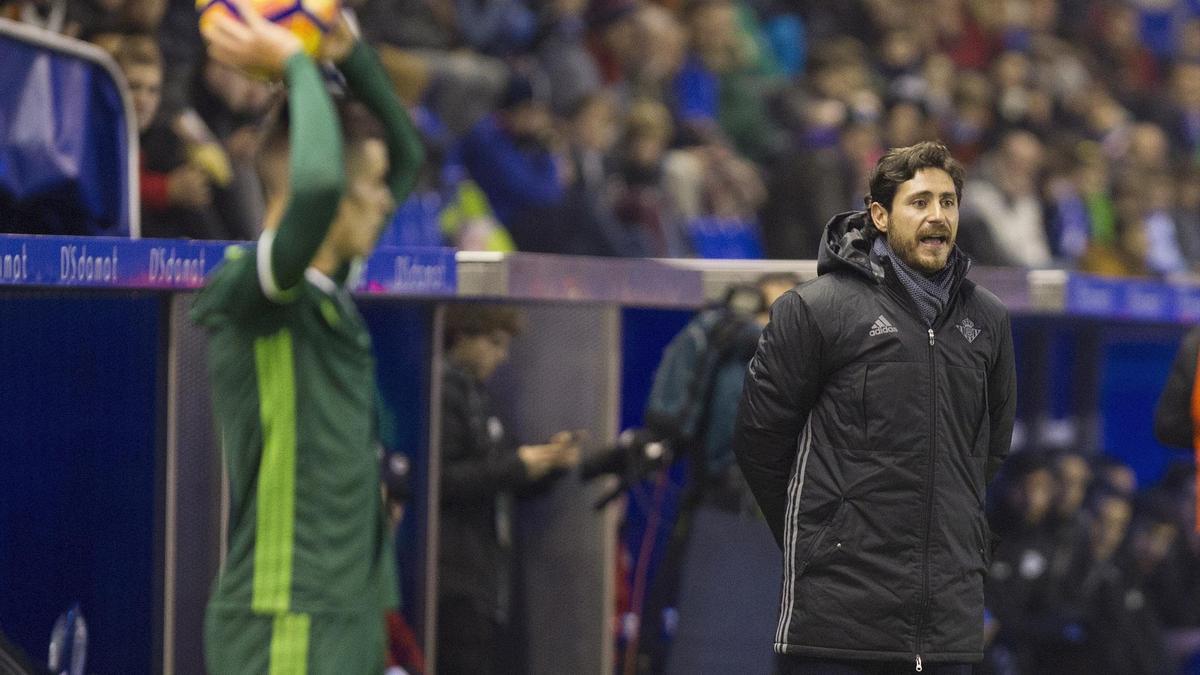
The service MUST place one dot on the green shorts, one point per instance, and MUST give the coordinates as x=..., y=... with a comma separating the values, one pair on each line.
x=240, y=642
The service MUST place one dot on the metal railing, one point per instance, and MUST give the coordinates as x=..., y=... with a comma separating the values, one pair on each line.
x=85, y=51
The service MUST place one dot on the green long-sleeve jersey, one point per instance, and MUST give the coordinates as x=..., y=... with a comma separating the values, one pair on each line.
x=293, y=381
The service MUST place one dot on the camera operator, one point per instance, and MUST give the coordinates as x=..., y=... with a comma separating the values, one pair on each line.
x=482, y=474
x=712, y=566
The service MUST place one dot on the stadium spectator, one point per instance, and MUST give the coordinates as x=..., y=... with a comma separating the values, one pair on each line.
x=1038, y=621
x=176, y=195
x=663, y=41
x=969, y=129
x=592, y=132
x=726, y=78
x=616, y=37
x=85, y=18
x=708, y=179
x=741, y=76
x=563, y=55
x=514, y=155
x=1005, y=197
x=649, y=214
x=1120, y=52
x=583, y=221
x=223, y=138
x=807, y=184
x=423, y=46
x=1081, y=216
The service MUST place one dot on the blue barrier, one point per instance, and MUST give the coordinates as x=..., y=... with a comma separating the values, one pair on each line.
x=169, y=264
x=714, y=237
x=1132, y=299
x=68, y=142
x=79, y=456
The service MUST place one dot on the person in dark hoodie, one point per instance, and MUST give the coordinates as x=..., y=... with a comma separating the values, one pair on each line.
x=876, y=409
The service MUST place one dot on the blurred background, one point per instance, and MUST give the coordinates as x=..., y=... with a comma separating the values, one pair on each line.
x=672, y=139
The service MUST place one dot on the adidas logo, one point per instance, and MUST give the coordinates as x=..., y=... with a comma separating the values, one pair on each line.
x=882, y=326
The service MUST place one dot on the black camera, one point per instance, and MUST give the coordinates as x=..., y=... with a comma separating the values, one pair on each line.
x=637, y=454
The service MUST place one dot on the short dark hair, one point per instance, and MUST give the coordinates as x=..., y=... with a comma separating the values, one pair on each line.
x=470, y=319
x=901, y=164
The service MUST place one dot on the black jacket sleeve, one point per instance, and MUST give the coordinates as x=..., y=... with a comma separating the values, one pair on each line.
x=1173, y=414
x=1002, y=401
x=782, y=384
x=469, y=471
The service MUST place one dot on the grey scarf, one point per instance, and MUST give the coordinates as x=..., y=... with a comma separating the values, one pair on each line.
x=930, y=293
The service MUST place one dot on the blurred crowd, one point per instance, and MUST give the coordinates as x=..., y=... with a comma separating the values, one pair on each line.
x=627, y=127
x=616, y=126
x=1091, y=574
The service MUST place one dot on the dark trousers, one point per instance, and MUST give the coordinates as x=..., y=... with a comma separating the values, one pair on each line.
x=804, y=665
x=469, y=642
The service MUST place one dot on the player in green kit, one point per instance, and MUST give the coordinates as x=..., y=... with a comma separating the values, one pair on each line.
x=310, y=567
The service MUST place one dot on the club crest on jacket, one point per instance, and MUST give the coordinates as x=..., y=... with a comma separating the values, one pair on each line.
x=968, y=329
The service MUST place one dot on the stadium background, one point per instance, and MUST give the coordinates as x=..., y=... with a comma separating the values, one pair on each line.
x=109, y=469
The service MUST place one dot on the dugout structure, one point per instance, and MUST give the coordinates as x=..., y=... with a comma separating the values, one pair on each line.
x=113, y=490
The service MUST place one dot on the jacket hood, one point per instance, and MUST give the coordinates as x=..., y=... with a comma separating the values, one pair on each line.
x=846, y=244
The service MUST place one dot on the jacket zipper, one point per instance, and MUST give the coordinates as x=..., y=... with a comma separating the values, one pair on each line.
x=901, y=295
x=928, y=497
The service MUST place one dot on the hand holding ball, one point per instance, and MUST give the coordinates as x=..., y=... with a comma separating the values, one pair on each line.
x=259, y=36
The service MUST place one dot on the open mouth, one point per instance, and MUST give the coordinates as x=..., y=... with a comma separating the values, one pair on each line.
x=935, y=240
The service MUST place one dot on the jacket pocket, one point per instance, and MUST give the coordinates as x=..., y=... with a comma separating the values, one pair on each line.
x=815, y=548
x=984, y=542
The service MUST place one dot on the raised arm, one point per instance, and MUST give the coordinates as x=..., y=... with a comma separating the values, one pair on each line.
x=315, y=175
x=369, y=83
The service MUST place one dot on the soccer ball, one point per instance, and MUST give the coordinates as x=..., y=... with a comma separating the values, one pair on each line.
x=310, y=20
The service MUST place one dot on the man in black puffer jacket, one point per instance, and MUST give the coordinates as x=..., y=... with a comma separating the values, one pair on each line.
x=876, y=410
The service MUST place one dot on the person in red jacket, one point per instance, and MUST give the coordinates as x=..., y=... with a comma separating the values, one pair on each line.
x=175, y=194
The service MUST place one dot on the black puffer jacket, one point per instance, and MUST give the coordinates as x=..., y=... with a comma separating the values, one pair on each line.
x=869, y=439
